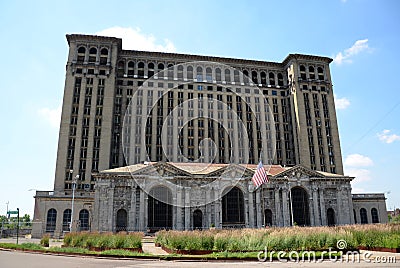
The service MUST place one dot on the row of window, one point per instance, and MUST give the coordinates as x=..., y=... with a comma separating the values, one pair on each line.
x=311, y=73
x=199, y=73
x=51, y=220
x=364, y=217
x=92, y=55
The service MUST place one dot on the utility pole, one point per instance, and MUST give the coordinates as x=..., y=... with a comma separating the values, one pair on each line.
x=8, y=215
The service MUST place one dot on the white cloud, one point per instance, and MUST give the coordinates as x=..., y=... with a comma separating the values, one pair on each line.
x=386, y=137
x=358, y=160
x=134, y=39
x=360, y=174
x=341, y=103
x=347, y=54
x=52, y=116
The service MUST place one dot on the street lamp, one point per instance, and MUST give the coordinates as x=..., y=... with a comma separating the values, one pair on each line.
x=73, y=198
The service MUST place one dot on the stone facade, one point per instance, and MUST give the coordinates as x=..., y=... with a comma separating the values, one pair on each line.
x=123, y=108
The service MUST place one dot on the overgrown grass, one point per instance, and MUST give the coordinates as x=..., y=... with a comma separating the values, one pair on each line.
x=285, y=239
x=104, y=240
x=30, y=246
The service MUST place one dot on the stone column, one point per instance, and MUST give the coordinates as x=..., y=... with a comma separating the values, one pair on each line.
x=322, y=205
x=132, y=211
x=251, y=207
x=340, y=208
x=179, y=206
x=187, y=208
x=110, y=213
x=317, y=218
x=278, y=214
x=311, y=210
x=285, y=210
x=259, y=207
x=143, y=205
x=218, y=210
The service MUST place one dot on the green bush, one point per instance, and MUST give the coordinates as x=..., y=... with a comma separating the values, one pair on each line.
x=45, y=241
x=103, y=240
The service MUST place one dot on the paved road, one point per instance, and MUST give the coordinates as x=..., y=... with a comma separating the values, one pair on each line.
x=15, y=259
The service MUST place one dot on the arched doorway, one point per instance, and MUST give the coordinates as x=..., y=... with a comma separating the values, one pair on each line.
x=197, y=219
x=159, y=208
x=301, y=215
x=374, y=215
x=51, y=220
x=330, y=215
x=268, y=217
x=233, y=207
x=122, y=220
x=363, y=216
x=84, y=220
x=66, y=220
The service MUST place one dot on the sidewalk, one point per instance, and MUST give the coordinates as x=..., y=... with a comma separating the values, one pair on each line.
x=148, y=246
x=53, y=242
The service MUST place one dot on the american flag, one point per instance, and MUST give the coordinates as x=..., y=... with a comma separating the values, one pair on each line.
x=260, y=176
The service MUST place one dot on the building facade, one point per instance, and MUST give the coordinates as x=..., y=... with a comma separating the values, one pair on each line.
x=125, y=107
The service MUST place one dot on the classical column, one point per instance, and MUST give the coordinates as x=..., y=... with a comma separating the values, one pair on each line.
x=251, y=207
x=217, y=209
x=143, y=205
x=311, y=210
x=285, y=211
x=339, y=208
x=317, y=217
x=322, y=205
x=187, y=208
x=132, y=211
x=278, y=214
x=259, y=207
x=179, y=207
x=110, y=204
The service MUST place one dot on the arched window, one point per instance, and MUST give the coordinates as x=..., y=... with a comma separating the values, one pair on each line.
x=199, y=74
x=303, y=72
x=300, y=208
x=280, y=80
x=321, y=73
x=140, y=69
x=268, y=217
x=209, y=74
x=122, y=220
x=180, y=72
x=236, y=77
x=228, y=75
x=245, y=77
x=263, y=78
x=374, y=214
x=311, y=72
x=233, y=207
x=92, y=55
x=51, y=220
x=355, y=216
x=84, y=220
x=170, y=71
x=330, y=215
x=218, y=77
x=189, y=72
x=150, y=66
x=103, y=56
x=81, y=55
x=159, y=208
x=197, y=219
x=66, y=219
x=121, y=68
x=131, y=68
x=160, y=70
x=363, y=216
x=271, y=78
x=254, y=77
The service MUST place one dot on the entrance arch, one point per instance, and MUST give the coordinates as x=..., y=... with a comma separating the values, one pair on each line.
x=330, y=215
x=233, y=207
x=122, y=220
x=159, y=208
x=301, y=214
x=268, y=217
x=197, y=219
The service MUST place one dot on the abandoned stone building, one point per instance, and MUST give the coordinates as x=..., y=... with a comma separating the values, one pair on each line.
x=152, y=140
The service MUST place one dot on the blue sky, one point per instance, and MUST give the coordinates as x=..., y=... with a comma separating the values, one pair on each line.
x=362, y=36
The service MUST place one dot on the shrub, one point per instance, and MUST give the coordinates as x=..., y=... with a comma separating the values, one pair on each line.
x=45, y=241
